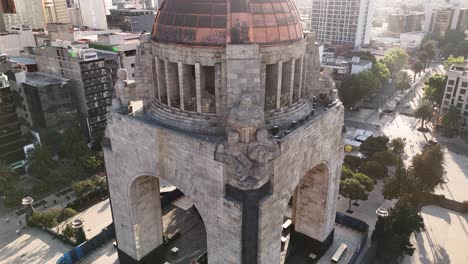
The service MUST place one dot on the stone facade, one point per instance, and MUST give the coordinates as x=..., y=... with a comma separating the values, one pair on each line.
x=240, y=129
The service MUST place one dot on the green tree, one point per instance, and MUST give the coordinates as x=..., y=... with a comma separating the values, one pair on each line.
x=451, y=60
x=357, y=86
x=353, y=190
x=346, y=172
x=398, y=145
x=434, y=89
x=47, y=219
x=462, y=49
x=452, y=121
x=430, y=48
x=373, y=145
x=428, y=168
x=375, y=169
x=365, y=180
x=75, y=146
x=69, y=232
x=399, y=185
x=39, y=161
x=403, y=80
x=353, y=162
x=396, y=59
x=386, y=158
x=424, y=112
x=452, y=39
x=82, y=187
x=7, y=176
x=402, y=221
x=94, y=162
x=381, y=71
x=417, y=68
x=423, y=57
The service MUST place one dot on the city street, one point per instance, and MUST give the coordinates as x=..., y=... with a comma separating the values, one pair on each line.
x=446, y=235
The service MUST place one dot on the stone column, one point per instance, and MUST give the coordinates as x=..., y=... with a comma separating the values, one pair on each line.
x=310, y=215
x=158, y=76
x=291, y=86
x=180, y=68
x=168, y=81
x=279, y=83
x=300, y=77
x=198, y=86
x=138, y=222
x=218, y=87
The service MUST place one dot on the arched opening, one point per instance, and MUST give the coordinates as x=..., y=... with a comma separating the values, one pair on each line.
x=166, y=223
x=304, y=229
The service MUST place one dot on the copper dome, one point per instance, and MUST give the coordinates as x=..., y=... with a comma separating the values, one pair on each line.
x=221, y=22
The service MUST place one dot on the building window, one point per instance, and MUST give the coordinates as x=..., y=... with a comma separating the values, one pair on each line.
x=132, y=65
x=451, y=82
x=463, y=91
x=464, y=84
x=449, y=89
x=459, y=105
x=447, y=96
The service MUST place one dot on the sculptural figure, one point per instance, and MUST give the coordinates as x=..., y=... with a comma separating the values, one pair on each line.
x=249, y=146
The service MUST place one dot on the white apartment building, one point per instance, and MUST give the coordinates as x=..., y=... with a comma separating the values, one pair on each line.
x=89, y=13
x=456, y=90
x=342, y=22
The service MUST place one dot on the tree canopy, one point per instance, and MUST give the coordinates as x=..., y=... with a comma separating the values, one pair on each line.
x=353, y=190
x=452, y=121
x=453, y=60
x=393, y=232
x=373, y=145
x=357, y=86
x=7, y=176
x=39, y=161
x=381, y=71
x=424, y=112
x=428, y=168
x=396, y=59
x=398, y=145
x=434, y=89
x=417, y=68
x=403, y=80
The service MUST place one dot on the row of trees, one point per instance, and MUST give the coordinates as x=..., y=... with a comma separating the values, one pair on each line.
x=451, y=121
x=77, y=162
x=358, y=86
x=359, y=175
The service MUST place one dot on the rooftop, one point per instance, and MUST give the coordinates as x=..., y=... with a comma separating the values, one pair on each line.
x=22, y=60
x=38, y=79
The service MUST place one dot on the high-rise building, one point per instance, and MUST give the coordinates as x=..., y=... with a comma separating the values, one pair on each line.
x=50, y=108
x=131, y=20
x=28, y=12
x=11, y=138
x=92, y=74
x=456, y=90
x=443, y=19
x=402, y=23
x=56, y=11
x=89, y=13
x=342, y=22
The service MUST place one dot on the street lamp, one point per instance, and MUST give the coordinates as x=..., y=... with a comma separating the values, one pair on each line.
x=381, y=212
x=80, y=235
x=27, y=202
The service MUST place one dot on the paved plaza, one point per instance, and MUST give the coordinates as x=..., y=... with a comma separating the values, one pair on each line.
x=32, y=246
x=445, y=239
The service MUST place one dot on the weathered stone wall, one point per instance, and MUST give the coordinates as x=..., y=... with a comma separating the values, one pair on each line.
x=317, y=142
x=139, y=148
